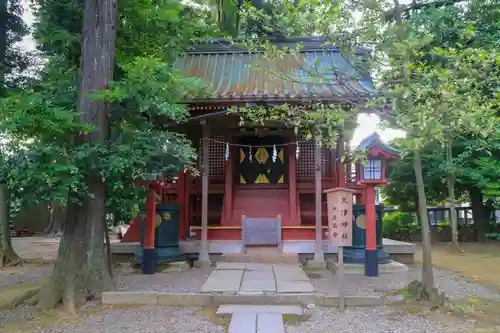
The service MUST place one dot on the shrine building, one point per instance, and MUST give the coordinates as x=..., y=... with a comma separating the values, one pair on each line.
x=261, y=172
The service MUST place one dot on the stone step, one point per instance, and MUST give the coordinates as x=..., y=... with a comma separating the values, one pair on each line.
x=268, y=255
x=256, y=322
x=243, y=322
x=270, y=323
x=389, y=268
x=228, y=309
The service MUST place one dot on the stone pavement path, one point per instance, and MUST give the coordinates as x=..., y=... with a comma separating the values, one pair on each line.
x=258, y=318
x=256, y=278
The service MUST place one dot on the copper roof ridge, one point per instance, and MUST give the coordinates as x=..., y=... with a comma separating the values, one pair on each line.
x=310, y=44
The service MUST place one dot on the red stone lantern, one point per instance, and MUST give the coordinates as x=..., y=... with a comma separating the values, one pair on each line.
x=372, y=172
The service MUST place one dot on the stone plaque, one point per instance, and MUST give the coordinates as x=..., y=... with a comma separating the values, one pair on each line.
x=261, y=231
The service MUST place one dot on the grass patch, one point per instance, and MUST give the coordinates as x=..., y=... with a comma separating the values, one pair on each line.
x=13, y=295
x=479, y=263
x=210, y=314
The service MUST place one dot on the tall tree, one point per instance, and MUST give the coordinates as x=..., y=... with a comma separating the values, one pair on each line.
x=84, y=263
x=78, y=150
x=12, y=29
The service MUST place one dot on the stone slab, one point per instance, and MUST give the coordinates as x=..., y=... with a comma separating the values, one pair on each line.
x=292, y=275
x=201, y=300
x=391, y=247
x=230, y=266
x=389, y=268
x=223, y=281
x=263, y=285
x=243, y=323
x=182, y=299
x=230, y=274
x=258, y=275
x=270, y=323
x=258, y=267
x=118, y=297
x=281, y=309
x=294, y=286
x=275, y=299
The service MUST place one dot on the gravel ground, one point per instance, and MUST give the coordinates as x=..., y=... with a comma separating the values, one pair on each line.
x=382, y=319
x=19, y=313
x=27, y=274
x=448, y=282
x=145, y=320
x=186, y=281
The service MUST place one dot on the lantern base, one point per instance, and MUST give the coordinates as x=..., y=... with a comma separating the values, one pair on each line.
x=371, y=263
x=356, y=255
x=148, y=261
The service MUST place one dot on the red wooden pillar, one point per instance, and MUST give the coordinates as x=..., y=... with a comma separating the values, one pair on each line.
x=204, y=254
x=188, y=181
x=228, y=187
x=318, y=202
x=341, y=181
x=181, y=187
x=333, y=168
x=149, y=254
x=371, y=260
x=292, y=181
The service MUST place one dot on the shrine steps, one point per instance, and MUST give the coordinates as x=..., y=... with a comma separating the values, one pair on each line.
x=261, y=254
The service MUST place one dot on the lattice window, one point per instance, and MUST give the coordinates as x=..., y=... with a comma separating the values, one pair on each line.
x=305, y=163
x=216, y=158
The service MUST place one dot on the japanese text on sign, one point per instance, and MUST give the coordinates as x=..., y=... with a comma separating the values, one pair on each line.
x=340, y=217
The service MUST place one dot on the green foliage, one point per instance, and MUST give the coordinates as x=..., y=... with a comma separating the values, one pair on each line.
x=329, y=121
x=402, y=189
x=13, y=61
x=144, y=96
x=399, y=223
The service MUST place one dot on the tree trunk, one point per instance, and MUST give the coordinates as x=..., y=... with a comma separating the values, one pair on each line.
x=7, y=255
x=3, y=44
x=57, y=218
x=82, y=267
x=450, y=182
x=478, y=213
x=427, y=272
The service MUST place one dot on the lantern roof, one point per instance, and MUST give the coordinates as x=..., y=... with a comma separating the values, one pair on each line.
x=374, y=146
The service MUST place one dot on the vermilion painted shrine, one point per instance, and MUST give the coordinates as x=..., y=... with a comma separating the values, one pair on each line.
x=262, y=172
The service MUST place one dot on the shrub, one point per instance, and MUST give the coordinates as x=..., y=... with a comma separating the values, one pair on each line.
x=399, y=223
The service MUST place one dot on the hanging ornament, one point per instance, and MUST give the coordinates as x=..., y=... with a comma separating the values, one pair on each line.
x=226, y=155
x=250, y=154
x=275, y=153
x=297, y=151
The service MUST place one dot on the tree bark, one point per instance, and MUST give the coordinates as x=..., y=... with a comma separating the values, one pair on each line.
x=478, y=213
x=3, y=44
x=429, y=290
x=450, y=182
x=427, y=272
x=57, y=217
x=7, y=255
x=82, y=269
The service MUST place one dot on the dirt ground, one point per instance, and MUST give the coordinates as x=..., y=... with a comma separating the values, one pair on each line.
x=479, y=263
x=36, y=247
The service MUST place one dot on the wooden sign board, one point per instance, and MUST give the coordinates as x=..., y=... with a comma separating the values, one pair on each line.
x=339, y=202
